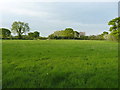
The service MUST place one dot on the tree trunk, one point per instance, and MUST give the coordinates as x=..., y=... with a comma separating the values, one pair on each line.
x=19, y=36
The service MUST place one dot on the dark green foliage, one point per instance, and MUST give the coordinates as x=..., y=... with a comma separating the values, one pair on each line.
x=5, y=33
x=25, y=37
x=20, y=28
x=76, y=34
x=105, y=33
x=43, y=38
x=36, y=34
x=33, y=35
x=84, y=38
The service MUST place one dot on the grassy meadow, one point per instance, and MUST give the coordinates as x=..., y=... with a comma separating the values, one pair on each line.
x=0, y=64
x=59, y=64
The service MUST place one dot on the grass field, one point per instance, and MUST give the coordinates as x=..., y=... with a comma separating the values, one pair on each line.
x=0, y=64
x=60, y=64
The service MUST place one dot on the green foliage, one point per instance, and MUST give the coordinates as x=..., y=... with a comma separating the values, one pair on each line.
x=36, y=34
x=83, y=37
x=115, y=24
x=96, y=37
x=51, y=36
x=104, y=33
x=20, y=28
x=111, y=37
x=5, y=33
x=115, y=27
x=43, y=38
x=115, y=33
x=33, y=35
x=59, y=64
x=68, y=33
x=76, y=34
x=25, y=37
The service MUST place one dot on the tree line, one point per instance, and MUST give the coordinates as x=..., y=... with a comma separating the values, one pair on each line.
x=19, y=28
x=22, y=30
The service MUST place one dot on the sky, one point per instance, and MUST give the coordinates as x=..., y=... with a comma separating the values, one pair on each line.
x=47, y=17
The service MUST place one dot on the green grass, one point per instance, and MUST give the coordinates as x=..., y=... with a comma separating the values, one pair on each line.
x=0, y=64
x=60, y=64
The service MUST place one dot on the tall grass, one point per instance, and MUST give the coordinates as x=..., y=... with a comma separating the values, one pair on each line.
x=60, y=64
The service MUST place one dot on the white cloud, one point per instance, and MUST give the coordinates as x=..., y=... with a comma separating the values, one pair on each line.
x=20, y=9
x=38, y=18
x=77, y=26
x=27, y=12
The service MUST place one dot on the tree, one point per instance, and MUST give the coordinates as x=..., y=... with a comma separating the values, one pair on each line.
x=33, y=35
x=83, y=37
x=20, y=28
x=76, y=34
x=103, y=36
x=92, y=37
x=69, y=33
x=115, y=27
x=36, y=34
x=51, y=36
x=4, y=33
x=104, y=33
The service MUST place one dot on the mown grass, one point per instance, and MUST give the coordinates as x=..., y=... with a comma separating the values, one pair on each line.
x=60, y=64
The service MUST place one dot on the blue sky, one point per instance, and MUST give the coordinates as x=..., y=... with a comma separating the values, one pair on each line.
x=47, y=17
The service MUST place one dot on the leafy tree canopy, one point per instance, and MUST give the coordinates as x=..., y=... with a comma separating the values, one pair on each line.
x=34, y=34
x=4, y=33
x=115, y=27
x=19, y=28
x=68, y=33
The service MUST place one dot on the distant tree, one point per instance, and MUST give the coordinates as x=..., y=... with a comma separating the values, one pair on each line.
x=4, y=33
x=69, y=29
x=25, y=37
x=43, y=38
x=83, y=37
x=100, y=37
x=69, y=33
x=104, y=33
x=76, y=34
x=51, y=36
x=33, y=35
x=36, y=34
x=92, y=37
x=103, y=36
x=115, y=27
x=20, y=28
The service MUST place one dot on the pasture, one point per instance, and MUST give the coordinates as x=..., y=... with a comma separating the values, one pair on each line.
x=59, y=64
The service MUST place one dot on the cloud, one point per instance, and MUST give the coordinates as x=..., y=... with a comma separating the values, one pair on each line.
x=54, y=25
x=21, y=10
x=27, y=12
x=49, y=17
